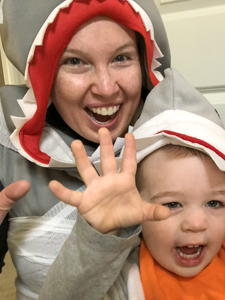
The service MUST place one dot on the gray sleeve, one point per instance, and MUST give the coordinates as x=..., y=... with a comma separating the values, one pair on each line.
x=88, y=263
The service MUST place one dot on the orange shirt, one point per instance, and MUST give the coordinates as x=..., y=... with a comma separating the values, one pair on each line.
x=160, y=284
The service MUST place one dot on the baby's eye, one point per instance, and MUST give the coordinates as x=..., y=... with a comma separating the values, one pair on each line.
x=214, y=204
x=172, y=205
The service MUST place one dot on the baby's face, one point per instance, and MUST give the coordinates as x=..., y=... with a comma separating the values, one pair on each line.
x=194, y=190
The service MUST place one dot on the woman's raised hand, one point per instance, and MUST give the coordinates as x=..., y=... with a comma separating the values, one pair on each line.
x=10, y=195
x=111, y=201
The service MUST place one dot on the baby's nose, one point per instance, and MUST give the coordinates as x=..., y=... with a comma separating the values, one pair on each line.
x=195, y=221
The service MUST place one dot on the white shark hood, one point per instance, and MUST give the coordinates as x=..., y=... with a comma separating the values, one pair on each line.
x=176, y=113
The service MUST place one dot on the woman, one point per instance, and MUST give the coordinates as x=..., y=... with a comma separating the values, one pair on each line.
x=85, y=63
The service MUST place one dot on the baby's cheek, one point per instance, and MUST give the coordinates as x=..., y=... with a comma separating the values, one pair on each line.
x=149, y=231
x=159, y=233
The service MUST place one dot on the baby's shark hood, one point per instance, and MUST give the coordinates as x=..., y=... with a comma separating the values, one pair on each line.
x=35, y=34
x=176, y=113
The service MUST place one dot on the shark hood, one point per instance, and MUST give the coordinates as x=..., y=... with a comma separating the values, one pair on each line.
x=34, y=36
x=176, y=113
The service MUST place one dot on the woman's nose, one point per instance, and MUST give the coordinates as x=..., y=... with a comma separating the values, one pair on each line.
x=105, y=83
x=195, y=221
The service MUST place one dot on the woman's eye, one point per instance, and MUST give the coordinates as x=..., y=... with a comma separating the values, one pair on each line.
x=172, y=205
x=214, y=204
x=73, y=61
x=121, y=58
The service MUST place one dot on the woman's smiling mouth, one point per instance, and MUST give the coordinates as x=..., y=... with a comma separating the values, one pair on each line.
x=102, y=115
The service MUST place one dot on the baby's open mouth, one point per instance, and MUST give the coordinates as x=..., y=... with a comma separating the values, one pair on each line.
x=190, y=251
x=103, y=115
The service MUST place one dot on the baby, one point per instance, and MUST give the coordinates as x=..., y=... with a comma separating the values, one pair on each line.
x=179, y=201
x=190, y=242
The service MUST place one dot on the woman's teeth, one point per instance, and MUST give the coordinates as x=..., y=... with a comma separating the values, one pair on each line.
x=105, y=111
x=103, y=115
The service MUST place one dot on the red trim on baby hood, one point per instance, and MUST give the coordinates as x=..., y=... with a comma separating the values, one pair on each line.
x=194, y=140
x=43, y=66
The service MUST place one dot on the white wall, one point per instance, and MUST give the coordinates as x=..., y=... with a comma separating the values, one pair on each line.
x=196, y=33
x=10, y=73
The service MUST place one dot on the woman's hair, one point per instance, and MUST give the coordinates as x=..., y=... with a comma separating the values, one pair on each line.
x=146, y=82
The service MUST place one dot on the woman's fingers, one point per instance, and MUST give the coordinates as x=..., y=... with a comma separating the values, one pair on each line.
x=108, y=161
x=10, y=195
x=129, y=162
x=65, y=195
x=86, y=170
x=155, y=212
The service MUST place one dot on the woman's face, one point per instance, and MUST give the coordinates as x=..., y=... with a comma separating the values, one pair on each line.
x=98, y=81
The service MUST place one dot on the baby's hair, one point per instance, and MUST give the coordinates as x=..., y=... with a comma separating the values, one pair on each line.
x=178, y=150
x=183, y=151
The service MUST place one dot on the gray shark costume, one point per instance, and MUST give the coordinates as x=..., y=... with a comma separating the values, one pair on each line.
x=34, y=140
x=103, y=266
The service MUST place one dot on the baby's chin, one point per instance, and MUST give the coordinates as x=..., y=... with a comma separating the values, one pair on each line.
x=190, y=271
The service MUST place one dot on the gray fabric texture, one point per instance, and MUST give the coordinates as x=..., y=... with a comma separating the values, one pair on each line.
x=93, y=263
x=22, y=20
x=172, y=93
x=39, y=200
x=9, y=95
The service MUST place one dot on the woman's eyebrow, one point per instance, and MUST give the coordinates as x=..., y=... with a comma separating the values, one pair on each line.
x=74, y=51
x=127, y=45
x=81, y=52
